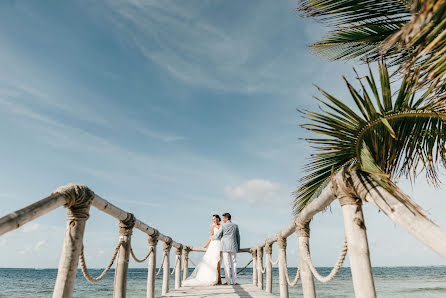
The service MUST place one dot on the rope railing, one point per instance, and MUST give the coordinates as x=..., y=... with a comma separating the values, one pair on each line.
x=274, y=262
x=161, y=267
x=299, y=225
x=84, y=268
x=78, y=199
x=143, y=259
x=243, y=269
x=335, y=269
x=296, y=279
x=178, y=258
x=193, y=263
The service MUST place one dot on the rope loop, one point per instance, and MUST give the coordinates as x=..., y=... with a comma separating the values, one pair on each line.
x=296, y=279
x=335, y=269
x=260, y=260
x=193, y=263
x=178, y=258
x=162, y=265
x=281, y=241
x=274, y=263
x=140, y=260
x=104, y=273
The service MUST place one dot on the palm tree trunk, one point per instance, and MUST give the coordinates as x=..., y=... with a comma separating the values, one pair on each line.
x=411, y=220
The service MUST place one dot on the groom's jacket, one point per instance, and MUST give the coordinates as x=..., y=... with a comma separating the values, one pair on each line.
x=230, y=237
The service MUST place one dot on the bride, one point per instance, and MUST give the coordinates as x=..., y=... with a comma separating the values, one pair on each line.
x=207, y=272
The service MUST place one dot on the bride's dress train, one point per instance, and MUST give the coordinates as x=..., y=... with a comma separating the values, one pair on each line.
x=206, y=274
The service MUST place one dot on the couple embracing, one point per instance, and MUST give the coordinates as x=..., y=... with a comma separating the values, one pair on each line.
x=223, y=241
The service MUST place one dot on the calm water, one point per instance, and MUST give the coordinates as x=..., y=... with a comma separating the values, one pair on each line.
x=390, y=282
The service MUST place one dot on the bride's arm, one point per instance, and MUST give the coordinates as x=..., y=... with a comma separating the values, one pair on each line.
x=210, y=237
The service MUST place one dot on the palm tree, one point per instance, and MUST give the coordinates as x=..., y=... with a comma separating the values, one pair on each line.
x=408, y=33
x=384, y=137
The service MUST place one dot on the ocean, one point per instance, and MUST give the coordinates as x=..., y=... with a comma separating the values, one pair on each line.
x=389, y=281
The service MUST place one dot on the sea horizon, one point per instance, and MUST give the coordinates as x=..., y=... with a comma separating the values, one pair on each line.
x=394, y=281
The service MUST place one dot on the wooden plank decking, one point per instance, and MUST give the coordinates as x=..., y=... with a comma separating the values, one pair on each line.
x=244, y=291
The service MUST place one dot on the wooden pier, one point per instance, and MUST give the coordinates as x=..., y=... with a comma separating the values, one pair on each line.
x=220, y=292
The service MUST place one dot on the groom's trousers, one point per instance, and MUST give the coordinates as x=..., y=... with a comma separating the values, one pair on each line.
x=230, y=264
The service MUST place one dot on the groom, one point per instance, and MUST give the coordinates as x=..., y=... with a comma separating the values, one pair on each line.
x=230, y=245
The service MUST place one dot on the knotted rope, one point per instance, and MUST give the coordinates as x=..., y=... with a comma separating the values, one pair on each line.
x=78, y=198
x=104, y=273
x=335, y=269
x=281, y=242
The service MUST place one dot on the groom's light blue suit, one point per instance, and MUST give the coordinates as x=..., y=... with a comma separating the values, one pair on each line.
x=230, y=237
x=230, y=245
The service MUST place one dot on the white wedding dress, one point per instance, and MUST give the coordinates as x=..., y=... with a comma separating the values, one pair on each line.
x=206, y=274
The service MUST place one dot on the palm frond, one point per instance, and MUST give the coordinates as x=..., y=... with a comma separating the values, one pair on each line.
x=424, y=38
x=410, y=34
x=392, y=135
x=359, y=25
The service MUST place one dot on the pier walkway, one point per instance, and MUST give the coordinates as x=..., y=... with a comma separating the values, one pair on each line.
x=220, y=292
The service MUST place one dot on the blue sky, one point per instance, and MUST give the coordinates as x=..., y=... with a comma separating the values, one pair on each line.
x=173, y=110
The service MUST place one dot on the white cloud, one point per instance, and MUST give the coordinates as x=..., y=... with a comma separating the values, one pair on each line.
x=254, y=191
x=39, y=244
x=31, y=227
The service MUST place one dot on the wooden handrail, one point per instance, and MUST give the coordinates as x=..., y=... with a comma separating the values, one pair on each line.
x=20, y=217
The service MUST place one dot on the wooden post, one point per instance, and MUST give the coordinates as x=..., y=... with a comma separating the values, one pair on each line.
x=306, y=276
x=259, y=267
x=178, y=253
x=269, y=268
x=283, y=284
x=78, y=200
x=254, y=266
x=122, y=265
x=358, y=247
x=153, y=241
x=186, y=251
x=166, y=267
